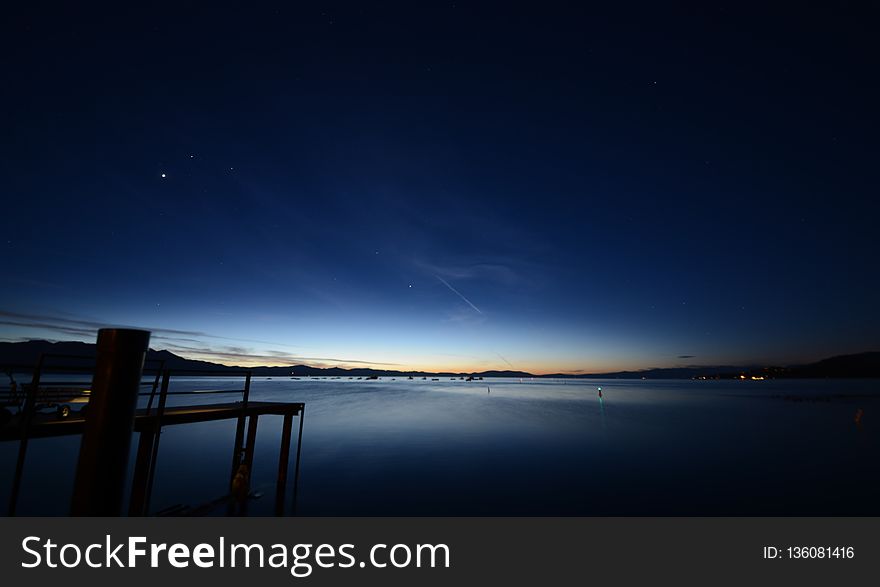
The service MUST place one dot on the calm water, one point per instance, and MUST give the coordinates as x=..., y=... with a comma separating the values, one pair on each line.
x=527, y=448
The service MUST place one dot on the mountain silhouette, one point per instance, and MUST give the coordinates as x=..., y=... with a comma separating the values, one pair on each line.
x=861, y=365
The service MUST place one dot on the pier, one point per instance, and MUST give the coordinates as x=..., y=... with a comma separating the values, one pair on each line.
x=47, y=407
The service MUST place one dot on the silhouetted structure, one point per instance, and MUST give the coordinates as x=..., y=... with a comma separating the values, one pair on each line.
x=111, y=415
x=103, y=455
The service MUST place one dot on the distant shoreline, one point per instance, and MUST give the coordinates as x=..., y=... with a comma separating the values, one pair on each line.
x=857, y=366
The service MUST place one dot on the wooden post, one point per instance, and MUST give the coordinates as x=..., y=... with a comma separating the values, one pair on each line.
x=281, y=485
x=103, y=455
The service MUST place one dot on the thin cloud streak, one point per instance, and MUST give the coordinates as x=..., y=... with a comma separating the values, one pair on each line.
x=89, y=328
x=273, y=356
x=456, y=292
x=500, y=356
x=170, y=340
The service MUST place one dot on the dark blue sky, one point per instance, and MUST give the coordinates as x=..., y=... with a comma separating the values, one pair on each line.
x=437, y=185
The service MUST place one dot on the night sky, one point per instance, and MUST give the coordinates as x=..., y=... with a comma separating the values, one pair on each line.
x=539, y=186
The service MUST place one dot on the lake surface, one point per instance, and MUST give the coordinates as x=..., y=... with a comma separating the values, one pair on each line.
x=536, y=447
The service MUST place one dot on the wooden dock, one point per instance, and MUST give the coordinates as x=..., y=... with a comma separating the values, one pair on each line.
x=32, y=422
x=49, y=425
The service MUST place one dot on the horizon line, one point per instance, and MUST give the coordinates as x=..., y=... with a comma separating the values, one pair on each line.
x=376, y=366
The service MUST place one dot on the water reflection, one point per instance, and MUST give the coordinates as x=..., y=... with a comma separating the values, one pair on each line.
x=538, y=447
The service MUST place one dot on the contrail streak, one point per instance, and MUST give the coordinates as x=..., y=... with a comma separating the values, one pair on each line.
x=505, y=360
x=456, y=292
x=469, y=303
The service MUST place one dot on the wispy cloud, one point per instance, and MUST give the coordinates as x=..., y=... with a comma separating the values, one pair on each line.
x=57, y=328
x=463, y=314
x=274, y=357
x=81, y=327
x=491, y=270
x=187, y=343
x=194, y=344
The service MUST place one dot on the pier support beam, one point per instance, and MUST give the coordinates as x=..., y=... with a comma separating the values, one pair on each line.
x=299, y=441
x=283, y=458
x=103, y=455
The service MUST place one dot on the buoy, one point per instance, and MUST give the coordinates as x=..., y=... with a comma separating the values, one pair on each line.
x=859, y=413
x=600, y=392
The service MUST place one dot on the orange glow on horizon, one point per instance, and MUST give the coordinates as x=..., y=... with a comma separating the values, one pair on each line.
x=532, y=367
